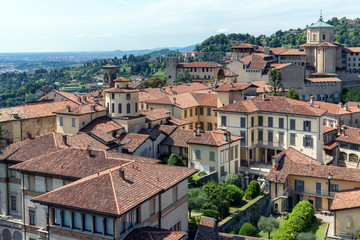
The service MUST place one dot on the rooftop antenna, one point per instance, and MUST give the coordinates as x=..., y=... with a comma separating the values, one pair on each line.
x=321, y=17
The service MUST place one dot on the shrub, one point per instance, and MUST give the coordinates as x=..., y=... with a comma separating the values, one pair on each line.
x=202, y=173
x=247, y=229
x=268, y=224
x=233, y=179
x=175, y=160
x=306, y=236
x=232, y=232
x=216, y=197
x=253, y=190
x=235, y=194
x=211, y=213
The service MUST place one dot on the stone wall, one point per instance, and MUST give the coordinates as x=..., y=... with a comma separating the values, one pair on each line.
x=251, y=214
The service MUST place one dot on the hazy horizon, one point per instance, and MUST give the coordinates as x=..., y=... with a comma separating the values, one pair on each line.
x=76, y=26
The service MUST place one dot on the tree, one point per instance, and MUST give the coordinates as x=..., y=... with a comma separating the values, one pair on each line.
x=306, y=236
x=233, y=179
x=216, y=197
x=268, y=224
x=293, y=94
x=175, y=160
x=247, y=229
x=196, y=199
x=235, y=194
x=253, y=190
x=276, y=86
x=153, y=82
x=184, y=76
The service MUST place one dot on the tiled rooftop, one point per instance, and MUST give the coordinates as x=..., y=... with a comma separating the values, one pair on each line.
x=346, y=199
x=178, y=138
x=213, y=138
x=131, y=141
x=104, y=124
x=232, y=87
x=153, y=233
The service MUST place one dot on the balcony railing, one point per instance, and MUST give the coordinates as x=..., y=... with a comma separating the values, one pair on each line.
x=322, y=193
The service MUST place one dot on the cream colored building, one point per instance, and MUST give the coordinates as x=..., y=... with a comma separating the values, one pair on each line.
x=272, y=124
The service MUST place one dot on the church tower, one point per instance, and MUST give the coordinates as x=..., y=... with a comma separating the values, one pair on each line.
x=320, y=32
x=109, y=75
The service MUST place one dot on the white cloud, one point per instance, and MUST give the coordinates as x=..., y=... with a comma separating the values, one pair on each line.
x=102, y=35
x=222, y=30
x=80, y=35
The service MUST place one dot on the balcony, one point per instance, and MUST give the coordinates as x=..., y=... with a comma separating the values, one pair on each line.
x=256, y=169
x=11, y=221
x=322, y=193
x=43, y=234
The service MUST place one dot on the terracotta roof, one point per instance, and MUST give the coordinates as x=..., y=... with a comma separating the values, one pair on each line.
x=153, y=233
x=106, y=137
x=329, y=79
x=51, y=142
x=178, y=122
x=331, y=145
x=349, y=135
x=262, y=86
x=279, y=65
x=121, y=90
x=292, y=51
x=207, y=229
x=274, y=104
x=67, y=95
x=278, y=50
x=104, y=124
x=352, y=49
x=82, y=109
x=346, y=199
x=184, y=100
x=178, y=138
x=323, y=44
x=33, y=110
x=122, y=79
x=109, y=65
x=205, y=99
x=257, y=65
x=215, y=138
x=115, y=195
x=245, y=45
x=288, y=167
x=328, y=129
x=155, y=114
x=337, y=109
x=131, y=141
x=230, y=87
x=154, y=132
x=324, y=74
x=231, y=74
x=199, y=65
x=296, y=156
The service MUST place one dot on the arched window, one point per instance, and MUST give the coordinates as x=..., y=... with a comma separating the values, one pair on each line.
x=128, y=108
x=112, y=107
x=343, y=156
x=323, y=36
x=353, y=157
x=136, y=107
x=120, y=108
x=349, y=222
x=314, y=37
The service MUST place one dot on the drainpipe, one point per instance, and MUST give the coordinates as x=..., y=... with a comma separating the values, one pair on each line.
x=23, y=200
x=160, y=208
x=21, y=138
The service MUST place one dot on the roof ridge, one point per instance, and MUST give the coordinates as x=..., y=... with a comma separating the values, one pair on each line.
x=113, y=188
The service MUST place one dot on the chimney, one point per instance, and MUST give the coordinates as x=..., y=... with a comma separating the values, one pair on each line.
x=15, y=115
x=67, y=108
x=310, y=160
x=346, y=107
x=276, y=166
x=88, y=151
x=122, y=174
x=231, y=85
x=96, y=101
x=198, y=129
x=264, y=97
x=311, y=101
x=92, y=107
x=264, y=89
x=340, y=104
x=194, y=132
x=339, y=129
x=174, y=100
x=170, y=88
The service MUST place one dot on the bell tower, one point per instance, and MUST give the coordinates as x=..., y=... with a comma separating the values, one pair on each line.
x=109, y=75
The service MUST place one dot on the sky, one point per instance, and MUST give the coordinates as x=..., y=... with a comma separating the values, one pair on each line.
x=107, y=25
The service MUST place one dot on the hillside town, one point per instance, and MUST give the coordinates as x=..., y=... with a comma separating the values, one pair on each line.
x=259, y=146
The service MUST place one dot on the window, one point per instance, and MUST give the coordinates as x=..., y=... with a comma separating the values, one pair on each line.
x=66, y=218
x=270, y=137
x=223, y=121
x=128, y=108
x=201, y=111
x=113, y=96
x=318, y=202
x=222, y=171
x=120, y=108
x=61, y=120
x=191, y=112
x=281, y=138
x=128, y=96
x=185, y=113
x=212, y=156
x=281, y=123
x=252, y=121
x=12, y=173
x=109, y=226
x=49, y=185
x=73, y=122
x=123, y=224
x=209, y=126
x=308, y=141
x=77, y=220
x=243, y=134
x=252, y=136
x=260, y=135
x=31, y=182
x=57, y=216
x=260, y=119
x=88, y=222
x=307, y=126
x=32, y=217
x=292, y=139
x=270, y=121
x=292, y=124
x=197, y=154
x=334, y=187
x=196, y=111
x=176, y=227
x=152, y=206
x=236, y=151
x=175, y=194
x=242, y=122
x=136, y=107
x=299, y=185
x=99, y=224
x=323, y=36
x=113, y=107
x=209, y=111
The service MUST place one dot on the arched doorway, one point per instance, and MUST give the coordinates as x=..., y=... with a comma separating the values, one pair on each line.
x=221, y=75
x=17, y=235
x=6, y=235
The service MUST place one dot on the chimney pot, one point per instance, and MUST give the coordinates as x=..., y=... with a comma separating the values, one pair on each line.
x=122, y=174
x=92, y=107
x=311, y=101
x=67, y=108
x=174, y=100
